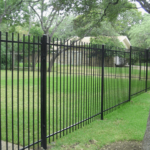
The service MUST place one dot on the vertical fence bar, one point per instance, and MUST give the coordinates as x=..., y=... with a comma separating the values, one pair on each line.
x=49, y=87
x=85, y=101
x=64, y=88
x=43, y=91
x=28, y=90
x=53, y=89
x=38, y=91
x=0, y=93
x=18, y=94
x=102, y=83
x=23, y=92
x=70, y=93
x=60, y=88
x=146, y=70
x=57, y=91
x=12, y=92
x=81, y=81
x=67, y=93
x=130, y=74
x=91, y=106
x=76, y=110
x=6, y=93
x=33, y=64
x=89, y=46
x=93, y=86
x=79, y=86
x=73, y=117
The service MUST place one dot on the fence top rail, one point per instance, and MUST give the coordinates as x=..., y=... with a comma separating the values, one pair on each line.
x=117, y=51
x=138, y=49
x=144, y=50
x=65, y=43
x=85, y=47
x=22, y=42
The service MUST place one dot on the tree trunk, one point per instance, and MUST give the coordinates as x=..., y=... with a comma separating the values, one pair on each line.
x=29, y=20
x=52, y=62
x=34, y=59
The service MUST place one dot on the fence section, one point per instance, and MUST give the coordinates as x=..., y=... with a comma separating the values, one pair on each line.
x=20, y=90
x=50, y=88
x=116, y=79
x=139, y=69
x=148, y=70
x=74, y=86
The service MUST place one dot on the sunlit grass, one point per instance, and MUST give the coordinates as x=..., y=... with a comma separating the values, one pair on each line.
x=126, y=123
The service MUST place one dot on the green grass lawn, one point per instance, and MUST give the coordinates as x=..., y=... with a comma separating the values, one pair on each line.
x=126, y=123
x=90, y=70
x=70, y=98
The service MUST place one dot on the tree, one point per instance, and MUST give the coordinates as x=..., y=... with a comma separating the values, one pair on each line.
x=92, y=19
x=110, y=42
x=106, y=13
x=140, y=33
x=11, y=6
x=51, y=14
x=126, y=20
x=65, y=30
x=145, y=4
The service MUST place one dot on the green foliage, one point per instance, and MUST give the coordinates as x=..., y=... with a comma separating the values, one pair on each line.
x=65, y=30
x=36, y=31
x=126, y=20
x=14, y=12
x=106, y=12
x=3, y=57
x=110, y=42
x=140, y=33
x=114, y=9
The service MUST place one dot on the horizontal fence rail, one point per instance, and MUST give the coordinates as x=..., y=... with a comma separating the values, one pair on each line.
x=50, y=88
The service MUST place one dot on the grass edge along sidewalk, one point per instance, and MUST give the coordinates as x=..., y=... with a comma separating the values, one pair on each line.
x=124, y=124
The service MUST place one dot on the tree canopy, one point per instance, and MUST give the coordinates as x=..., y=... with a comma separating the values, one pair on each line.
x=100, y=18
x=145, y=4
x=14, y=10
x=68, y=18
x=110, y=42
x=140, y=33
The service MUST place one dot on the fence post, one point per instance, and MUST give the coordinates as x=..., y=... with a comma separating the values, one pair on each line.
x=130, y=74
x=43, y=91
x=102, y=84
x=146, y=69
x=0, y=94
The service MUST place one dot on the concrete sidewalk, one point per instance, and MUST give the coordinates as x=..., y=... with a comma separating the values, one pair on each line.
x=9, y=146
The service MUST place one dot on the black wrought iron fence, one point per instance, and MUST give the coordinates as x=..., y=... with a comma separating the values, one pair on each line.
x=50, y=88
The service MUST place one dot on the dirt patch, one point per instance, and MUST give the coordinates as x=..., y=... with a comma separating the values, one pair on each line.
x=124, y=145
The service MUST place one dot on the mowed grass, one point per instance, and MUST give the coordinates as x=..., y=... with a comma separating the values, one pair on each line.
x=81, y=69
x=66, y=100
x=126, y=123
x=70, y=98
